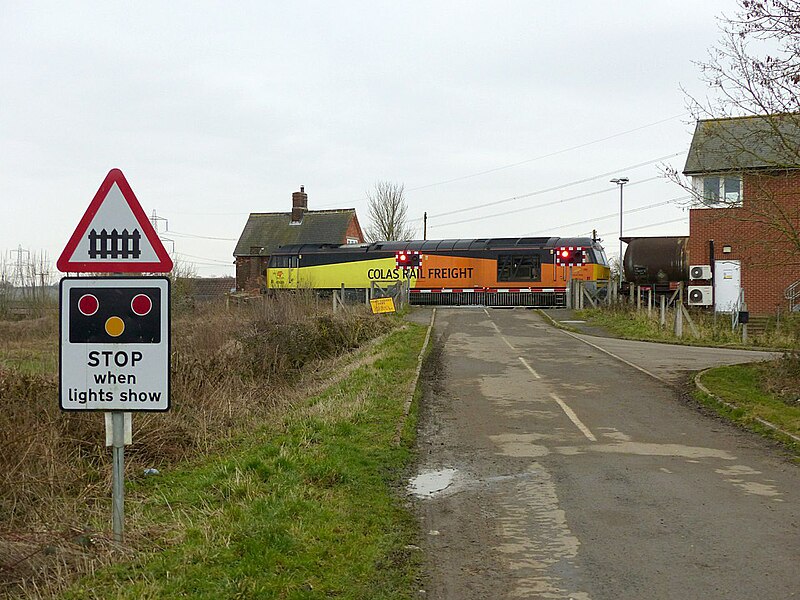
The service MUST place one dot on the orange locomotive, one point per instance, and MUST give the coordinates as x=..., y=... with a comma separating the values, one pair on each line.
x=489, y=272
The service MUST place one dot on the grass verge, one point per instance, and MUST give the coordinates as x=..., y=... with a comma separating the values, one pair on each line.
x=303, y=508
x=743, y=387
x=628, y=323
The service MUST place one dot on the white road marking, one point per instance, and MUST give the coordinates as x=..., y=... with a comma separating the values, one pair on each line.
x=574, y=418
x=530, y=368
x=497, y=329
x=486, y=311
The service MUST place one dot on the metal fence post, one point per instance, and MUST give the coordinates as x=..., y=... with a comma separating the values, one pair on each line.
x=744, y=325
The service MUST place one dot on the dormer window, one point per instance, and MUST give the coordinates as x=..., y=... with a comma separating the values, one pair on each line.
x=719, y=190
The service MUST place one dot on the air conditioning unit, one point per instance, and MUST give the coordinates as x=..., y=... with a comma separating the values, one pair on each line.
x=700, y=295
x=699, y=272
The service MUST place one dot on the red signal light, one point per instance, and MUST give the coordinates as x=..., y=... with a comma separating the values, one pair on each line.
x=573, y=257
x=408, y=258
x=141, y=304
x=88, y=304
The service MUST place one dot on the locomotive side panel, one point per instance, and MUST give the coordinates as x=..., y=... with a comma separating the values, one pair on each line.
x=490, y=272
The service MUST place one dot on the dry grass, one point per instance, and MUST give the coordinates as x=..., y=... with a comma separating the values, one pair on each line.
x=231, y=371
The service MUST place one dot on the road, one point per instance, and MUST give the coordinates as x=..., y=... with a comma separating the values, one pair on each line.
x=550, y=469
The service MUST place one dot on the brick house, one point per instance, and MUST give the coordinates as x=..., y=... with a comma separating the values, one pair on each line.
x=746, y=173
x=265, y=232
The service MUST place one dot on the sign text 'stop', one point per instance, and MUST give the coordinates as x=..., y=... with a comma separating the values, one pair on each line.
x=114, y=235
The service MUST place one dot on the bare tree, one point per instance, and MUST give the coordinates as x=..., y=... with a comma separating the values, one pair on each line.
x=754, y=68
x=388, y=213
x=752, y=72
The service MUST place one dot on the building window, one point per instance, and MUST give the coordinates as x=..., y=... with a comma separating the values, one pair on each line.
x=519, y=267
x=719, y=190
x=351, y=241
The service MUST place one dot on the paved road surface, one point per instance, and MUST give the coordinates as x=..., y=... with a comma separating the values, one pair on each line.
x=569, y=474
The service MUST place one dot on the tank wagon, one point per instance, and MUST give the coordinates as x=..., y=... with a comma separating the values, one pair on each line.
x=661, y=262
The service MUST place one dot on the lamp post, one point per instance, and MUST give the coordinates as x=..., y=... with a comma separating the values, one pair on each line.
x=620, y=181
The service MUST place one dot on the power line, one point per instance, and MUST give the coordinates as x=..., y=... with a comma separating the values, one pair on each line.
x=616, y=214
x=557, y=152
x=221, y=262
x=207, y=214
x=535, y=206
x=511, y=212
x=681, y=220
x=202, y=237
x=554, y=188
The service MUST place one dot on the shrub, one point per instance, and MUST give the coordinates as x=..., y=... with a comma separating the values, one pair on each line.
x=228, y=368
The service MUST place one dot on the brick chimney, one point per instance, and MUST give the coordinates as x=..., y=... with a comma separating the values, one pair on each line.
x=299, y=204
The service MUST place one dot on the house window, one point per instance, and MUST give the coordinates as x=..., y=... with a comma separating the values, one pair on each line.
x=519, y=267
x=351, y=241
x=719, y=189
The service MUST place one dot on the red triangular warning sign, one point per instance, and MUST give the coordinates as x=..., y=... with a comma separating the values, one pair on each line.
x=114, y=235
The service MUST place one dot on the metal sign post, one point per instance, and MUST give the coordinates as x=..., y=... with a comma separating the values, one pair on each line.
x=118, y=474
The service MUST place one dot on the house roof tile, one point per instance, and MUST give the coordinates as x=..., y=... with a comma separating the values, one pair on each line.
x=268, y=231
x=745, y=143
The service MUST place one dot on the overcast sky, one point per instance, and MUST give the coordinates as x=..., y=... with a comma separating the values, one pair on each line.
x=216, y=110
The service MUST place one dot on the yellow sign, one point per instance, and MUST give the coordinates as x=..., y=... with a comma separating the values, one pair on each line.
x=382, y=305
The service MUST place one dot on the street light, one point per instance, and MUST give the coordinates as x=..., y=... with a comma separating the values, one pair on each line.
x=620, y=181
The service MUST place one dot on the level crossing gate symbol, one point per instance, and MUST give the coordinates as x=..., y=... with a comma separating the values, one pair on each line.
x=114, y=235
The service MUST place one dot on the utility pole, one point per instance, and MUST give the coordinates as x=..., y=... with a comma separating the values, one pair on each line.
x=425, y=225
x=154, y=219
x=620, y=181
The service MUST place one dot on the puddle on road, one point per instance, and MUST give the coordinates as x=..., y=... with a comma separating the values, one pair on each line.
x=430, y=483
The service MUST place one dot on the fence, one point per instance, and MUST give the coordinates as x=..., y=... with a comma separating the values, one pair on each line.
x=397, y=290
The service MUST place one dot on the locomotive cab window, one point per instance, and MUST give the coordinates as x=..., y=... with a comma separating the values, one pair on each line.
x=597, y=255
x=282, y=261
x=519, y=267
x=278, y=262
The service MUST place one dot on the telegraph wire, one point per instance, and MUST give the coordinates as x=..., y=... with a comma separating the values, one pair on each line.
x=613, y=215
x=202, y=237
x=208, y=214
x=681, y=220
x=551, y=203
x=554, y=188
x=221, y=262
x=206, y=264
x=557, y=152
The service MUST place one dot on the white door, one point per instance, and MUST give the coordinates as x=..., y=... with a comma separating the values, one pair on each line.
x=727, y=283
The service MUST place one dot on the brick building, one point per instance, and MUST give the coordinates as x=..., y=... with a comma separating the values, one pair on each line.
x=265, y=232
x=746, y=171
